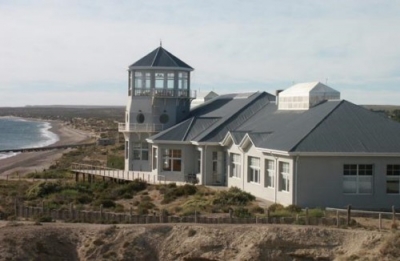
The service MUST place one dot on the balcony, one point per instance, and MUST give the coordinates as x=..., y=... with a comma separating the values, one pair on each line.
x=139, y=127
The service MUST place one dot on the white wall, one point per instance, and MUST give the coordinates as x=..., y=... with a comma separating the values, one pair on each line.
x=260, y=189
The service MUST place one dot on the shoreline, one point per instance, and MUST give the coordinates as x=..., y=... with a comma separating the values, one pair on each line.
x=27, y=162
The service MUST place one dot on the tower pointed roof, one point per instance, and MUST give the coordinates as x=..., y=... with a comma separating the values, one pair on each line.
x=160, y=58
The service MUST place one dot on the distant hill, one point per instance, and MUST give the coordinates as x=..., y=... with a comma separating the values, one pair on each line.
x=388, y=108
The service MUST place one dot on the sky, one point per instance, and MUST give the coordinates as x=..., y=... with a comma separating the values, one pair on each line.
x=76, y=52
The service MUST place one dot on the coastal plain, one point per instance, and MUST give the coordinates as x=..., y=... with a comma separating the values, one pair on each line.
x=28, y=162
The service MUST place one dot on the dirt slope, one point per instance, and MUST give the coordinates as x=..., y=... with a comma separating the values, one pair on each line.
x=191, y=242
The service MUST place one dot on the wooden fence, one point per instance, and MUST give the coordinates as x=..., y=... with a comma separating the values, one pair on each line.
x=75, y=215
x=333, y=217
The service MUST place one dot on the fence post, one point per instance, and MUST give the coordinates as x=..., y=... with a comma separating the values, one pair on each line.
x=268, y=216
x=380, y=221
x=195, y=216
x=348, y=215
x=393, y=217
x=101, y=213
x=337, y=218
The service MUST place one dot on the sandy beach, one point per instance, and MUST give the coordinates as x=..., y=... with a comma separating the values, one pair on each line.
x=28, y=162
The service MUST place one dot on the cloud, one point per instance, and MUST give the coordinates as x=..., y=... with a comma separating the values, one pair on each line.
x=68, y=46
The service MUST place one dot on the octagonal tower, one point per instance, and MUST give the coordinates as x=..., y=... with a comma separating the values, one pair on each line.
x=159, y=97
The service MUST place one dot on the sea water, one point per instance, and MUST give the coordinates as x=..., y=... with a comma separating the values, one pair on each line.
x=16, y=133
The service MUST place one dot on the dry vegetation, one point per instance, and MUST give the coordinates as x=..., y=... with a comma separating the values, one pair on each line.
x=60, y=241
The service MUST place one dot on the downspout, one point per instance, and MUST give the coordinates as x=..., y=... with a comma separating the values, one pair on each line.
x=276, y=177
x=295, y=180
x=205, y=165
x=242, y=151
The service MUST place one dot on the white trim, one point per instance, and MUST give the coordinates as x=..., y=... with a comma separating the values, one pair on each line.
x=345, y=154
x=204, y=143
x=168, y=142
x=156, y=68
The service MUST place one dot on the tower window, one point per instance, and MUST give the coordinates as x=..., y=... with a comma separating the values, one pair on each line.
x=159, y=78
x=140, y=118
x=138, y=80
x=170, y=80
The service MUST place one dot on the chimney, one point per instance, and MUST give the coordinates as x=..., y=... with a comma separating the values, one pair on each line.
x=277, y=96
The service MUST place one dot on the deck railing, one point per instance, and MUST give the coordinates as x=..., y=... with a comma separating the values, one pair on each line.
x=140, y=127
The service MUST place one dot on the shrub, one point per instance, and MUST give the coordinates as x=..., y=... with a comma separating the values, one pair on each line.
x=107, y=203
x=233, y=197
x=257, y=210
x=241, y=213
x=293, y=208
x=281, y=213
x=42, y=189
x=316, y=212
x=173, y=192
x=274, y=207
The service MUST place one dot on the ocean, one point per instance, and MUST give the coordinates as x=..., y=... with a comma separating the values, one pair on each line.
x=16, y=133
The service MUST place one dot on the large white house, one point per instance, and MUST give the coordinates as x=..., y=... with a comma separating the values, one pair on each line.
x=305, y=147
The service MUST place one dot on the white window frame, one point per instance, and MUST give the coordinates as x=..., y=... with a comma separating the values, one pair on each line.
x=393, y=175
x=356, y=175
x=126, y=149
x=155, y=157
x=199, y=161
x=284, y=176
x=269, y=173
x=170, y=158
x=235, y=165
x=253, y=172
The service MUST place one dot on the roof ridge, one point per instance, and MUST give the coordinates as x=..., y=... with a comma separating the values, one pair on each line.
x=188, y=129
x=233, y=114
x=173, y=60
x=315, y=127
x=155, y=56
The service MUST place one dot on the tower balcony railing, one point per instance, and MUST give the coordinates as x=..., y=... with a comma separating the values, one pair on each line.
x=166, y=93
x=140, y=127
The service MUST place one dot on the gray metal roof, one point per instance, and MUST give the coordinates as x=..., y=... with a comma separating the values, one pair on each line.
x=333, y=126
x=352, y=128
x=160, y=58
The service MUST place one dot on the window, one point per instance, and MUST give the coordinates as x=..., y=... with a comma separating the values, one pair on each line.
x=198, y=167
x=172, y=160
x=159, y=80
x=284, y=180
x=235, y=165
x=393, y=179
x=155, y=158
x=253, y=169
x=138, y=80
x=126, y=149
x=140, y=151
x=357, y=178
x=170, y=80
x=183, y=80
x=147, y=80
x=270, y=173
x=214, y=161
